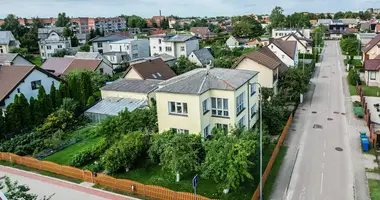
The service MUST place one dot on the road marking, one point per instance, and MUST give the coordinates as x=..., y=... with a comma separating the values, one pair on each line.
x=324, y=154
x=324, y=145
x=323, y=165
x=321, y=191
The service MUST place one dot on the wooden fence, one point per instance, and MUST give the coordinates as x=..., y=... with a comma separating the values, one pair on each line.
x=101, y=179
x=256, y=195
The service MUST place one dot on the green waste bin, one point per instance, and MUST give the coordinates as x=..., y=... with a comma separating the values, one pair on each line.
x=363, y=133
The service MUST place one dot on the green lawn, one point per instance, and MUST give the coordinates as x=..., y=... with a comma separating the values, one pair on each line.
x=371, y=91
x=265, y=36
x=37, y=61
x=355, y=62
x=353, y=90
x=374, y=189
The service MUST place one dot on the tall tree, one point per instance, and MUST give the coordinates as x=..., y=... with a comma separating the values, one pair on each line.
x=85, y=88
x=11, y=24
x=154, y=23
x=247, y=27
x=53, y=95
x=321, y=16
x=136, y=22
x=25, y=117
x=12, y=120
x=74, y=41
x=62, y=20
x=339, y=15
x=74, y=86
x=58, y=99
x=2, y=124
x=277, y=19
x=64, y=90
x=92, y=34
x=165, y=23
x=67, y=33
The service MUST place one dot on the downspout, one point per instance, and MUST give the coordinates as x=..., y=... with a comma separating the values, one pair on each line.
x=249, y=108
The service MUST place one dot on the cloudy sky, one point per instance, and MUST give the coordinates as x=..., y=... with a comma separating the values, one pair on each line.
x=148, y=8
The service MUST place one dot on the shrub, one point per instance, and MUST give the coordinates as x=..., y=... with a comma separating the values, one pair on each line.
x=90, y=101
x=60, y=119
x=353, y=77
x=86, y=156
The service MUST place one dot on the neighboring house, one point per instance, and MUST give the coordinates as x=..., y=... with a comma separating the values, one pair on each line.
x=101, y=44
x=174, y=45
x=7, y=42
x=372, y=73
x=304, y=45
x=51, y=40
x=117, y=59
x=82, y=37
x=168, y=59
x=120, y=95
x=233, y=42
x=14, y=59
x=203, y=32
x=372, y=49
x=199, y=100
x=264, y=61
x=26, y=79
x=63, y=66
x=336, y=30
x=136, y=48
x=365, y=38
x=352, y=23
x=92, y=56
x=286, y=51
x=149, y=69
x=280, y=32
x=325, y=22
x=201, y=57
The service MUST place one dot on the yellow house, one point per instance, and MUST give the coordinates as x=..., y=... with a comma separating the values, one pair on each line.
x=372, y=49
x=304, y=45
x=264, y=61
x=204, y=98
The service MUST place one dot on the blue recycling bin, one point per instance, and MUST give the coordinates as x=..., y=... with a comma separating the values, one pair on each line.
x=365, y=144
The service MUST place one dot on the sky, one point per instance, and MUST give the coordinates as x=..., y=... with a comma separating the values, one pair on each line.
x=182, y=8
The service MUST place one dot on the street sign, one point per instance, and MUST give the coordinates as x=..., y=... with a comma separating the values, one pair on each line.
x=195, y=181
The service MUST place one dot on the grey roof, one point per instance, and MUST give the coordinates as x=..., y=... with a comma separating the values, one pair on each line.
x=166, y=57
x=7, y=57
x=350, y=21
x=204, y=56
x=200, y=80
x=87, y=55
x=324, y=21
x=112, y=106
x=367, y=35
x=111, y=38
x=6, y=37
x=180, y=38
x=44, y=32
x=132, y=85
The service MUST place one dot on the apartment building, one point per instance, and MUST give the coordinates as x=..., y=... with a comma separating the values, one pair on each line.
x=107, y=25
x=204, y=98
x=174, y=45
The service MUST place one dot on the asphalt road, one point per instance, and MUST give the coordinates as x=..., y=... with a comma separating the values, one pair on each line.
x=318, y=165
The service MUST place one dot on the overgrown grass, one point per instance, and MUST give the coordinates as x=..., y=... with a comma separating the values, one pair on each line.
x=45, y=173
x=63, y=157
x=354, y=62
x=374, y=189
x=267, y=190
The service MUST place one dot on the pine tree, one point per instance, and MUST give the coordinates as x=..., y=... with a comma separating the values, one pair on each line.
x=49, y=105
x=2, y=124
x=74, y=85
x=25, y=116
x=17, y=112
x=41, y=93
x=11, y=120
x=53, y=95
x=58, y=99
x=42, y=97
x=85, y=88
x=64, y=90
x=32, y=104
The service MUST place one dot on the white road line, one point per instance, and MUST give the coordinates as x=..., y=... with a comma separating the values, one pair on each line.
x=324, y=154
x=325, y=144
x=321, y=191
x=323, y=165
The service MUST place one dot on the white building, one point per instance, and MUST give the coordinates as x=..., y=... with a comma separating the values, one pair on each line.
x=136, y=48
x=7, y=42
x=25, y=79
x=174, y=45
x=277, y=33
x=286, y=51
x=51, y=40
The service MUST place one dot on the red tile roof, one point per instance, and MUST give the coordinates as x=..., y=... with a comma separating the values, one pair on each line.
x=372, y=65
x=83, y=64
x=372, y=43
x=352, y=30
x=199, y=30
x=146, y=69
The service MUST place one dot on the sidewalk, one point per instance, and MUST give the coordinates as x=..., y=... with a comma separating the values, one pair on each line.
x=60, y=189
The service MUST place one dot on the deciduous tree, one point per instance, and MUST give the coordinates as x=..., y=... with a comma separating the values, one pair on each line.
x=62, y=20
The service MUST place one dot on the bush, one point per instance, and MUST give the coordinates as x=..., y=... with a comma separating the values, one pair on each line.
x=353, y=77
x=124, y=153
x=86, y=156
x=157, y=145
x=90, y=101
x=60, y=119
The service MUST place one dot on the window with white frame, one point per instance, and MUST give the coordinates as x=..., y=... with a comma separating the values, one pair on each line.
x=240, y=103
x=48, y=47
x=372, y=75
x=182, y=48
x=100, y=45
x=222, y=126
x=160, y=49
x=283, y=56
x=59, y=46
x=110, y=47
x=168, y=49
x=241, y=122
x=253, y=110
x=219, y=107
x=179, y=130
x=205, y=106
x=206, y=131
x=253, y=89
x=177, y=108
x=35, y=84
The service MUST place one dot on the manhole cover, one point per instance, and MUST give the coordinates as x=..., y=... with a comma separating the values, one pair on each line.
x=330, y=119
x=343, y=113
x=324, y=76
x=336, y=112
x=293, y=129
x=317, y=126
x=338, y=149
x=314, y=112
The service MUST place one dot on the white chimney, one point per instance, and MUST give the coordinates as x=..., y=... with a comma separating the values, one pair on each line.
x=8, y=63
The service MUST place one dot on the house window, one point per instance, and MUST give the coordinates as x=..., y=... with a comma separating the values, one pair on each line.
x=110, y=47
x=1, y=51
x=206, y=131
x=100, y=45
x=48, y=47
x=240, y=103
x=101, y=70
x=59, y=46
x=177, y=108
x=43, y=54
x=253, y=89
x=49, y=55
x=158, y=73
x=372, y=75
x=135, y=55
x=253, y=110
x=205, y=106
x=168, y=49
x=241, y=122
x=160, y=49
x=18, y=90
x=182, y=48
x=159, y=41
x=179, y=130
x=100, y=50
x=134, y=47
x=219, y=107
x=35, y=84
x=271, y=46
x=222, y=126
x=154, y=76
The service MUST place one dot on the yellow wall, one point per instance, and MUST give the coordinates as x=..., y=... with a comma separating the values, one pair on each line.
x=196, y=121
x=375, y=51
x=132, y=74
x=265, y=74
